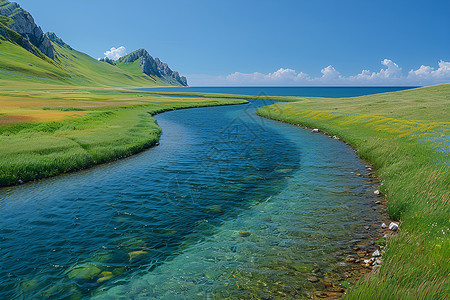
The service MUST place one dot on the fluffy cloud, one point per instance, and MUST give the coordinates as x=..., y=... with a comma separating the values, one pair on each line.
x=392, y=71
x=390, y=74
x=429, y=73
x=280, y=76
x=329, y=74
x=116, y=53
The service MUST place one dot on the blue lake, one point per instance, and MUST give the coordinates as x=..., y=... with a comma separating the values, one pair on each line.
x=229, y=205
x=329, y=92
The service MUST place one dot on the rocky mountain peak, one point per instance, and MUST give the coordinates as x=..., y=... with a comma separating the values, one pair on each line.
x=132, y=57
x=156, y=67
x=23, y=23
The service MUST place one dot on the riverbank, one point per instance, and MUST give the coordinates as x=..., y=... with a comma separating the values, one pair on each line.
x=405, y=136
x=49, y=130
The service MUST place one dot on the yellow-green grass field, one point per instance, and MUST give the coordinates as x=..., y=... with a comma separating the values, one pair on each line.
x=406, y=136
x=49, y=130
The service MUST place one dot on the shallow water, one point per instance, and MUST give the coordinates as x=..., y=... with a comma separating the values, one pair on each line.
x=229, y=205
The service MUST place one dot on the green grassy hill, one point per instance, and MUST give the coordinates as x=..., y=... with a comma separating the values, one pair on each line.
x=70, y=67
x=89, y=71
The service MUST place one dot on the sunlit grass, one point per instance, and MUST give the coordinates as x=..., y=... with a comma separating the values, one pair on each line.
x=403, y=135
x=31, y=151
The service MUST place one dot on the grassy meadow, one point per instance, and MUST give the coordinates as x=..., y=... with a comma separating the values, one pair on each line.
x=50, y=130
x=406, y=136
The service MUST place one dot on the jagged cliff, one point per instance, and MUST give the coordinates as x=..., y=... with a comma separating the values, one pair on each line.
x=23, y=23
x=154, y=67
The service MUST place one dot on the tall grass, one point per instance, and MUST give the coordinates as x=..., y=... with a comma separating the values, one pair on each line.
x=415, y=175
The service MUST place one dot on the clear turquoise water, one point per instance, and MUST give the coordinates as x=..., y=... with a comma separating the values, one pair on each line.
x=229, y=205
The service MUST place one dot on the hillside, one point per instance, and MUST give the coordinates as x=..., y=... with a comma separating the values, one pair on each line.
x=27, y=54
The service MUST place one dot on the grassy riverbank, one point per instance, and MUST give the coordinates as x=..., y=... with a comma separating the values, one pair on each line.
x=49, y=130
x=405, y=135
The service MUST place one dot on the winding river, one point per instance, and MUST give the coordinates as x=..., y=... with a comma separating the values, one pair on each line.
x=229, y=205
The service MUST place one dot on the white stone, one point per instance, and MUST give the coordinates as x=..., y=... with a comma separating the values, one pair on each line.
x=376, y=254
x=315, y=130
x=377, y=192
x=393, y=226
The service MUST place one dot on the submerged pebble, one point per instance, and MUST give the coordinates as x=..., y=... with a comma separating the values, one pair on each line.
x=245, y=234
x=313, y=279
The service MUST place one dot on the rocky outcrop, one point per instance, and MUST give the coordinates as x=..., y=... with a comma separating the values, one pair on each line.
x=23, y=23
x=12, y=36
x=55, y=39
x=154, y=67
x=168, y=73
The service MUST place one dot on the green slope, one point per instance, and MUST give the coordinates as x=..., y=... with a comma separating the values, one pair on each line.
x=70, y=67
x=17, y=64
x=89, y=71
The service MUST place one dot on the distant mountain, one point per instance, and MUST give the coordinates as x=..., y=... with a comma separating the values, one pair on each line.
x=153, y=67
x=56, y=60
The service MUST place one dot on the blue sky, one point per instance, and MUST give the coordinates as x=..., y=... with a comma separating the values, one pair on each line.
x=248, y=42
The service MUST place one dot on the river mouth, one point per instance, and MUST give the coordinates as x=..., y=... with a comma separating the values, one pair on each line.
x=229, y=205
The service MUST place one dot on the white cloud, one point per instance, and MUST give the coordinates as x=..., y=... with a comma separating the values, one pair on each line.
x=330, y=72
x=390, y=74
x=429, y=73
x=392, y=71
x=422, y=72
x=443, y=71
x=277, y=77
x=116, y=53
x=329, y=75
